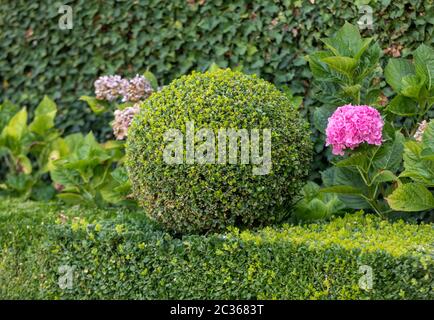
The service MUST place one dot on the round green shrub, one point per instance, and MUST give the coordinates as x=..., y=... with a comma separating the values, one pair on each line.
x=191, y=198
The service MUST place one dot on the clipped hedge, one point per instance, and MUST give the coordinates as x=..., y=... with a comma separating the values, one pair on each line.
x=198, y=193
x=174, y=37
x=127, y=257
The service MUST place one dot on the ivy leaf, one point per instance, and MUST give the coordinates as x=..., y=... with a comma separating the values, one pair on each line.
x=411, y=197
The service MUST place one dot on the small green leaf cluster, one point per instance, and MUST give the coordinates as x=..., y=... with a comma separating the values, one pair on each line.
x=200, y=197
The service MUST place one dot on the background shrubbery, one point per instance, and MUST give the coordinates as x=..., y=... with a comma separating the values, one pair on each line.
x=172, y=38
x=125, y=256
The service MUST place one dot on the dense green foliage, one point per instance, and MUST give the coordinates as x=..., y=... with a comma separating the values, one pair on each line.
x=347, y=72
x=124, y=256
x=174, y=37
x=26, y=150
x=87, y=172
x=81, y=169
x=416, y=194
x=206, y=194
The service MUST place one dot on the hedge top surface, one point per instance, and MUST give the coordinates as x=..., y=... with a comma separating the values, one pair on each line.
x=358, y=231
x=197, y=197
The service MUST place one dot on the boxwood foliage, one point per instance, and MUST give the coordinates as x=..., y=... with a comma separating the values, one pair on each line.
x=198, y=197
x=174, y=37
x=123, y=256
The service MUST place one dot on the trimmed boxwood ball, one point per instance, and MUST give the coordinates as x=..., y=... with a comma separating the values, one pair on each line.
x=195, y=197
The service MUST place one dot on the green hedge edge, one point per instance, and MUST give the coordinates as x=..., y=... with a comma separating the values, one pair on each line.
x=122, y=255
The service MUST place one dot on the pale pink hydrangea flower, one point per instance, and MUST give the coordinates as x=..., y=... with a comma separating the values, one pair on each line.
x=123, y=120
x=420, y=130
x=138, y=88
x=349, y=126
x=110, y=87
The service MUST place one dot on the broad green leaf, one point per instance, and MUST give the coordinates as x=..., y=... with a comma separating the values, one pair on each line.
x=383, y=176
x=71, y=198
x=152, y=80
x=402, y=106
x=17, y=126
x=318, y=68
x=411, y=85
x=365, y=44
x=22, y=183
x=310, y=190
x=7, y=111
x=352, y=91
x=356, y=160
x=346, y=42
x=65, y=177
x=389, y=156
x=213, y=67
x=41, y=124
x=424, y=62
x=45, y=114
x=24, y=164
x=428, y=136
x=73, y=141
x=347, y=176
x=397, y=69
x=342, y=65
x=416, y=167
x=321, y=116
x=411, y=197
x=46, y=107
x=97, y=106
x=342, y=189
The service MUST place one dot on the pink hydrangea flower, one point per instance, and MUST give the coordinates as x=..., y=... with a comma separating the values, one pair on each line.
x=349, y=126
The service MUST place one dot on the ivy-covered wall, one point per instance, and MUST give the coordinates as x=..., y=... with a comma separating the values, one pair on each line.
x=173, y=37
